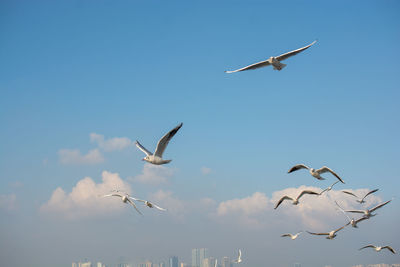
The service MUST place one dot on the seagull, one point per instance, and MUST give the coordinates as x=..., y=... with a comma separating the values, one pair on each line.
x=315, y=173
x=239, y=259
x=331, y=234
x=328, y=188
x=296, y=200
x=293, y=237
x=274, y=61
x=353, y=222
x=379, y=248
x=148, y=203
x=124, y=198
x=362, y=199
x=216, y=263
x=161, y=146
x=368, y=212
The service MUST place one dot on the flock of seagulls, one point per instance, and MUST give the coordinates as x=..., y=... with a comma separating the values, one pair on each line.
x=157, y=159
x=366, y=213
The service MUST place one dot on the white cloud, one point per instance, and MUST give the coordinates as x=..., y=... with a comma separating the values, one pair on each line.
x=74, y=156
x=84, y=201
x=205, y=170
x=111, y=144
x=153, y=174
x=8, y=202
x=313, y=212
x=174, y=205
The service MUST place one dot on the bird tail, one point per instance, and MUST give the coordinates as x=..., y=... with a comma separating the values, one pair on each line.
x=279, y=66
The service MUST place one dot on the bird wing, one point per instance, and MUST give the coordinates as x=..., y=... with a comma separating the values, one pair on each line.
x=306, y=192
x=337, y=230
x=294, y=52
x=286, y=235
x=367, y=246
x=148, y=153
x=297, y=167
x=379, y=206
x=240, y=254
x=349, y=193
x=136, y=199
x=112, y=195
x=133, y=204
x=326, y=169
x=361, y=219
x=163, y=142
x=389, y=248
x=355, y=211
x=369, y=193
x=158, y=207
x=317, y=233
x=251, y=67
x=281, y=200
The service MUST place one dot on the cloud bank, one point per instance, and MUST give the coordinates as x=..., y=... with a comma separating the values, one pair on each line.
x=111, y=144
x=84, y=200
x=74, y=157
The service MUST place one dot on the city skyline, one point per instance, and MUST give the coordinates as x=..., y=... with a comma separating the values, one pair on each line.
x=83, y=80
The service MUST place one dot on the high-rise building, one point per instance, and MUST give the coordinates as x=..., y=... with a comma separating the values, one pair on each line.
x=297, y=265
x=86, y=264
x=226, y=262
x=162, y=264
x=173, y=261
x=198, y=255
x=99, y=264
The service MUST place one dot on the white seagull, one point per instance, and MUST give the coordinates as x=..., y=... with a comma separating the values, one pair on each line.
x=124, y=198
x=315, y=173
x=368, y=212
x=379, y=248
x=274, y=61
x=329, y=188
x=362, y=199
x=148, y=203
x=239, y=259
x=293, y=237
x=161, y=146
x=353, y=222
x=331, y=234
x=295, y=201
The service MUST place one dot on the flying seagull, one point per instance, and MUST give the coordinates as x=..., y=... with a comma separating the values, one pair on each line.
x=295, y=201
x=274, y=61
x=293, y=237
x=161, y=146
x=353, y=222
x=368, y=212
x=124, y=198
x=331, y=234
x=362, y=199
x=329, y=188
x=315, y=173
x=379, y=248
x=239, y=259
x=148, y=203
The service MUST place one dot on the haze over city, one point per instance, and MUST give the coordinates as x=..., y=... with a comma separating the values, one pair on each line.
x=83, y=80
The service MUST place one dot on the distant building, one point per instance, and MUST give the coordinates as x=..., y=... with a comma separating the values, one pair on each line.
x=183, y=264
x=198, y=255
x=86, y=264
x=74, y=264
x=226, y=262
x=173, y=261
x=162, y=264
x=297, y=265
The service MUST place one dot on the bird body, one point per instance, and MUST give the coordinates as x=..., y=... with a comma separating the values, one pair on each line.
x=353, y=222
x=330, y=235
x=295, y=201
x=274, y=61
x=156, y=158
x=316, y=173
x=369, y=212
x=148, y=204
x=361, y=200
x=293, y=237
x=378, y=249
x=239, y=258
x=124, y=198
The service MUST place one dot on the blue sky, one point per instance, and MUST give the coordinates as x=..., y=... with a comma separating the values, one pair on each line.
x=135, y=70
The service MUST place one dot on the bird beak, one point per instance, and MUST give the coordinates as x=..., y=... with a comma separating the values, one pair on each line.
x=142, y=159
